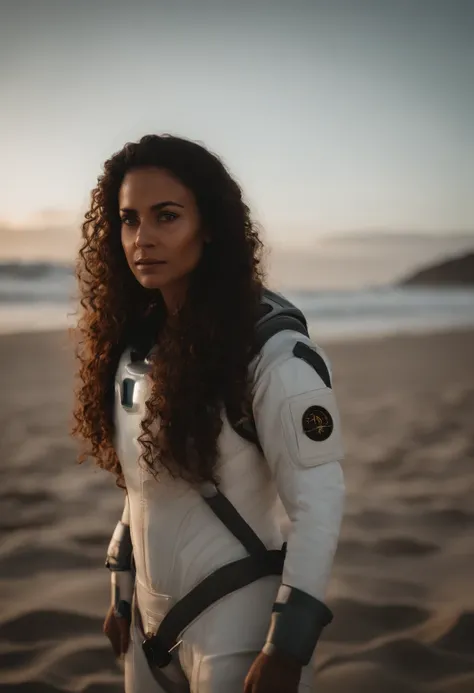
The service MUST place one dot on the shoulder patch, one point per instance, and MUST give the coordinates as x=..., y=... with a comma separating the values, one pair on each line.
x=317, y=423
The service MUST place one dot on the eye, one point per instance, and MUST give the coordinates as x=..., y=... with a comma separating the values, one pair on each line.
x=169, y=214
x=131, y=221
x=128, y=221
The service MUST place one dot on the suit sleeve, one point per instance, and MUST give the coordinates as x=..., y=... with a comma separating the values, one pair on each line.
x=298, y=424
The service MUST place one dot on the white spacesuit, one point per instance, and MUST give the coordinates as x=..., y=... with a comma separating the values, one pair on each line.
x=294, y=491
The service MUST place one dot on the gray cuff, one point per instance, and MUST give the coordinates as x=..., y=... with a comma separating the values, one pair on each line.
x=297, y=622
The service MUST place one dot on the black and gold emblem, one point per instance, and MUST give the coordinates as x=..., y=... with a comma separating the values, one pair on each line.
x=317, y=423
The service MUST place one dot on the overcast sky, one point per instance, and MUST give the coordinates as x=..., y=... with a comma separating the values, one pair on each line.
x=334, y=115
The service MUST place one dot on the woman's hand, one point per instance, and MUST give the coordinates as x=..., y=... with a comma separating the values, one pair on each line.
x=274, y=673
x=117, y=629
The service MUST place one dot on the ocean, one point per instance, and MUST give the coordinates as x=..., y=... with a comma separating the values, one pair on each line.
x=39, y=296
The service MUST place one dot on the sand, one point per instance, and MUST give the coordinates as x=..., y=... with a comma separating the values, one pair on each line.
x=402, y=587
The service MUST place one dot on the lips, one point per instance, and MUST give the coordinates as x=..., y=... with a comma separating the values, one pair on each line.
x=144, y=263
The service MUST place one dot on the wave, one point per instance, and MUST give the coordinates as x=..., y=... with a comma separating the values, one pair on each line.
x=37, y=288
x=36, y=282
x=35, y=270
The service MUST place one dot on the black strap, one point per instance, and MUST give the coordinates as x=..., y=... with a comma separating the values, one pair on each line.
x=223, y=581
x=261, y=562
x=246, y=428
x=311, y=356
x=233, y=520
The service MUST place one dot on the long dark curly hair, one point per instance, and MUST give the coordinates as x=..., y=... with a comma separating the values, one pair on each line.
x=203, y=358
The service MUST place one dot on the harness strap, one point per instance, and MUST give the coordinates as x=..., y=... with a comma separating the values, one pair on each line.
x=223, y=581
x=233, y=520
x=246, y=428
x=261, y=562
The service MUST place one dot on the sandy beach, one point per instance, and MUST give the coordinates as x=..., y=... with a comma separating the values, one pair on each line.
x=402, y=587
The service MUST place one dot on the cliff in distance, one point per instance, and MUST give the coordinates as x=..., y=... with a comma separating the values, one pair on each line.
x=457, y=271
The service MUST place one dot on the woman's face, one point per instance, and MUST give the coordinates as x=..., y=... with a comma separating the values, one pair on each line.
x=160, y=225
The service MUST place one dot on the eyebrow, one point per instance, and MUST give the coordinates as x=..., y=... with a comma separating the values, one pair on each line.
x=154, y=208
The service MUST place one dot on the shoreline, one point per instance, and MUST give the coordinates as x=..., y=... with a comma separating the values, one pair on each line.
x=328, y=340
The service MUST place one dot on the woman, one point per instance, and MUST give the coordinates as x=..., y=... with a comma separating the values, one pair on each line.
x=172, y=288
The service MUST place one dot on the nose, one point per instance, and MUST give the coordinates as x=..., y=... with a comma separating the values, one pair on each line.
x=144, y=237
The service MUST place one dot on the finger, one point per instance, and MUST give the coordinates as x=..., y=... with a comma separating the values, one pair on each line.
x=110, y=627
x=124, y=628
x=115, y=642
x=112, y=632
x=109, y=621
x=105, y=625
x=125, y=643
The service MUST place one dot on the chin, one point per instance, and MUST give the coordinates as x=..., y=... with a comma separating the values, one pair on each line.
x=151, y=282
x=160, y=281
x=152, y=278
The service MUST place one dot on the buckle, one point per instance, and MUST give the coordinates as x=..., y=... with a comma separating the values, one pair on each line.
x=156, y=653
x=208, y=489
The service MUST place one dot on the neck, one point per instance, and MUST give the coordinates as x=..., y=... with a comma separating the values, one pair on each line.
x=173, y=300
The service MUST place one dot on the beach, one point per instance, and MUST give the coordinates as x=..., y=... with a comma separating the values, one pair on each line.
x=401, y=589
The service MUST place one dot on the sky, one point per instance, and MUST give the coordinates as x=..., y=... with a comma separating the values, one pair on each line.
x=335, y=116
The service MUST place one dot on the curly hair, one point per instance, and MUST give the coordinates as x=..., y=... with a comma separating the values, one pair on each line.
x=203, y=359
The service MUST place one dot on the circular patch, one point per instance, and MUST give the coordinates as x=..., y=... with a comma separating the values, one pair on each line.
x=317, y=423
